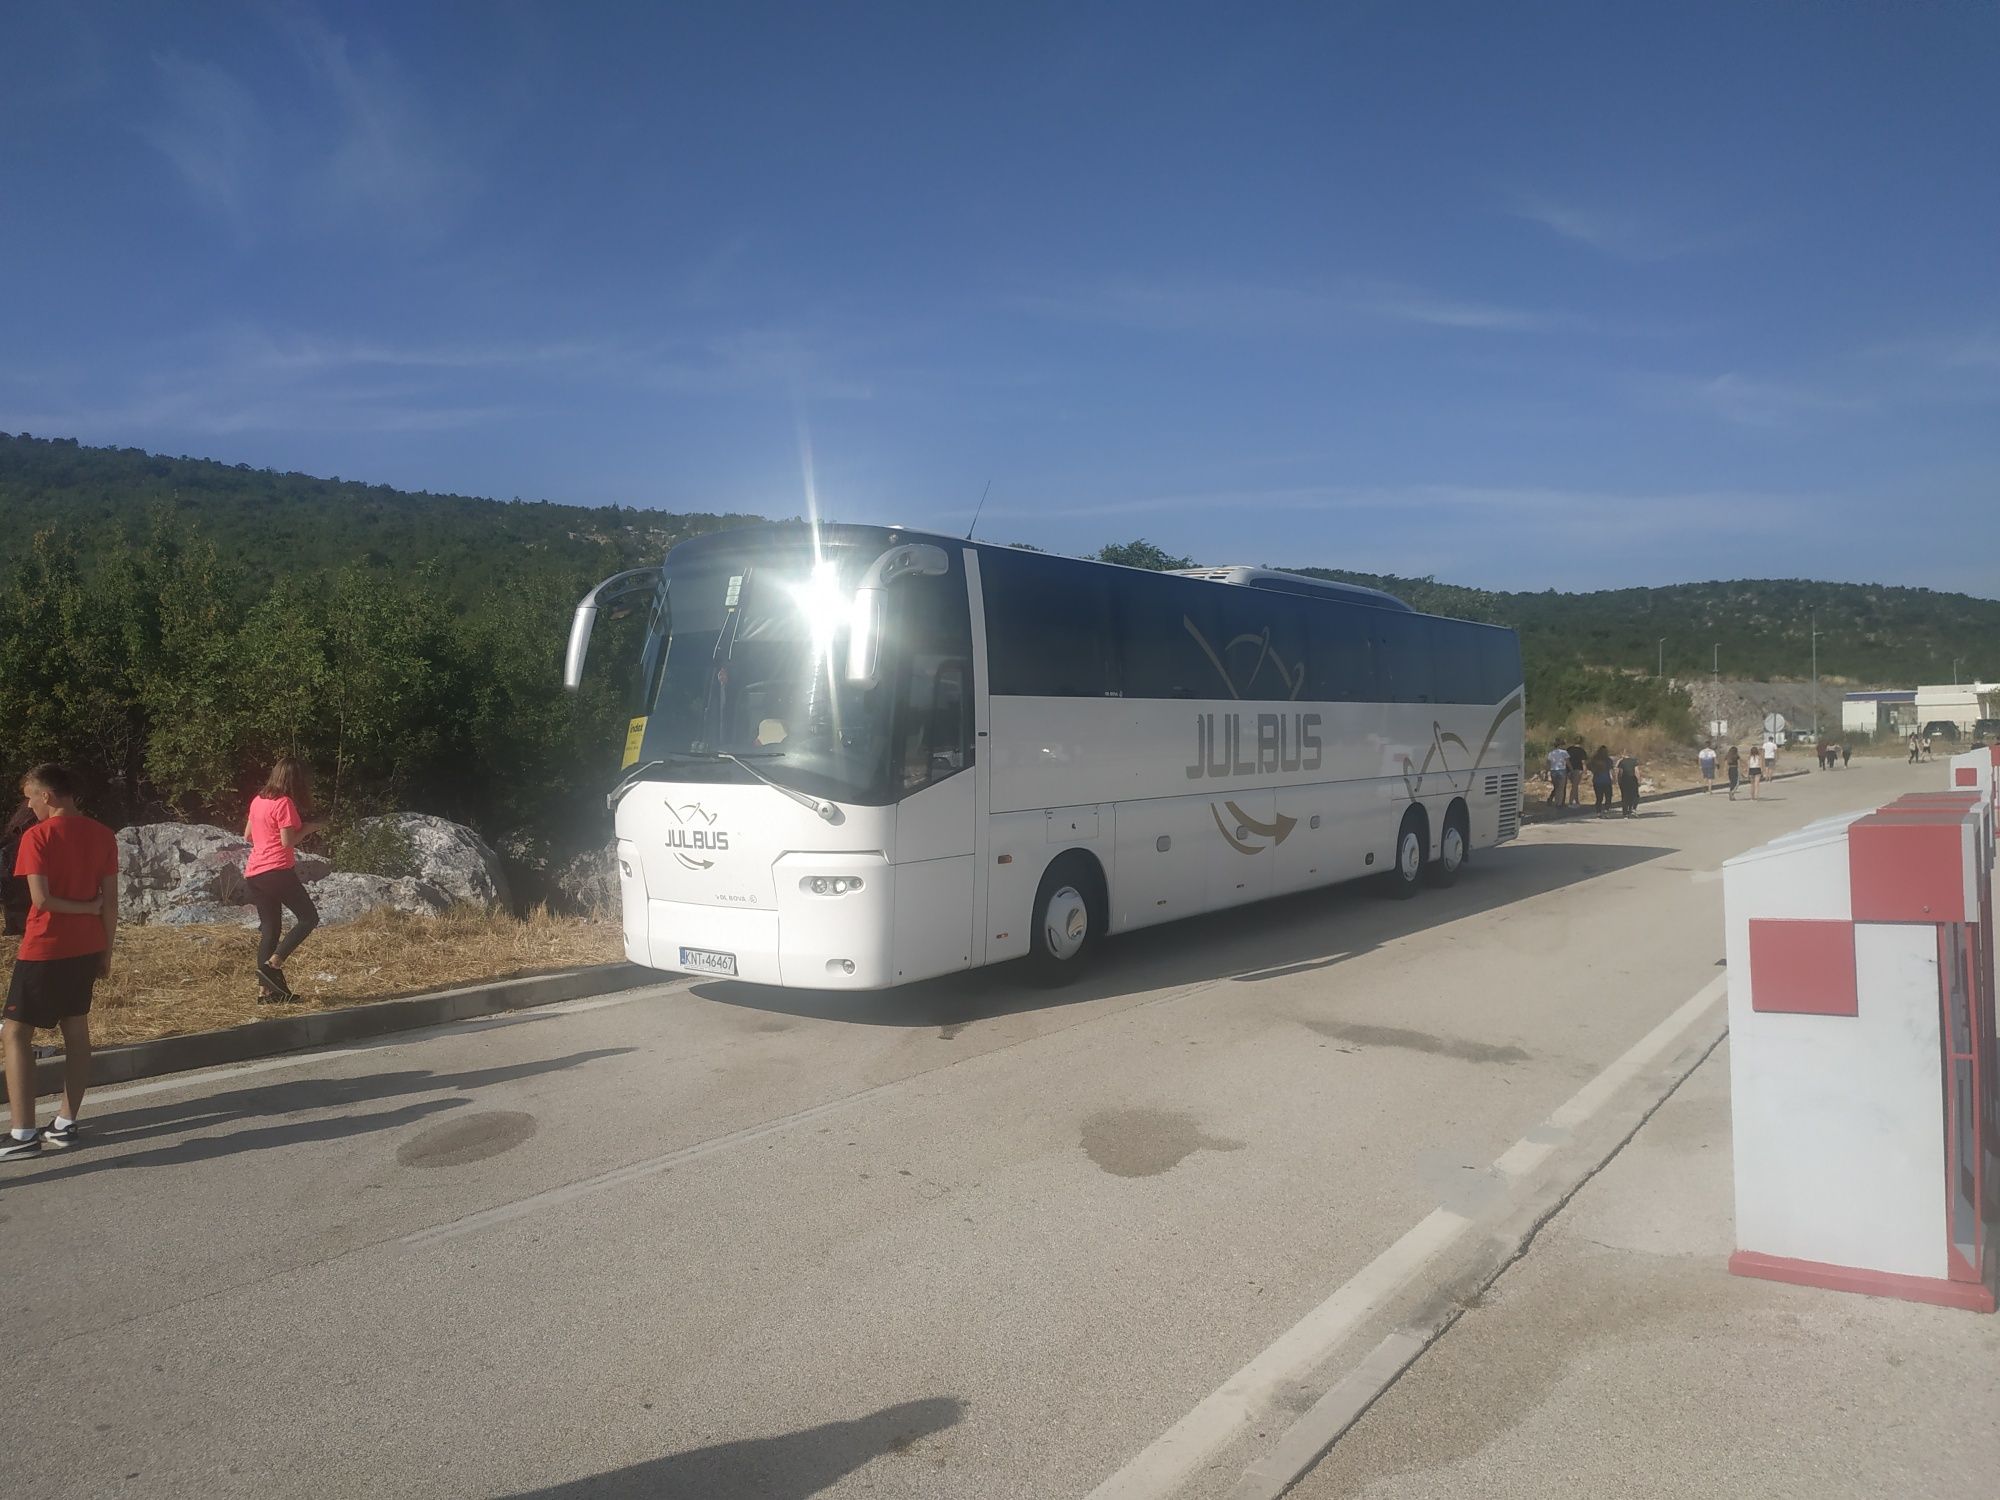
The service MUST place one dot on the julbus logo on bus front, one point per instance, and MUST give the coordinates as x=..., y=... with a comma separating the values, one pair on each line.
x=1254, y=744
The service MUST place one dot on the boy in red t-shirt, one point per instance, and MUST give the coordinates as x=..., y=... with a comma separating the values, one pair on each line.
x=71, y=865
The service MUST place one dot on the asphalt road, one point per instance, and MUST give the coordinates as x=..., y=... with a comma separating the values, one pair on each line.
x=967, y=1239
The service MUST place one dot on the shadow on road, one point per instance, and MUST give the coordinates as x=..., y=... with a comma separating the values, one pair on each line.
x=791, y=1467
x=1290, y=934
x=270, y=1104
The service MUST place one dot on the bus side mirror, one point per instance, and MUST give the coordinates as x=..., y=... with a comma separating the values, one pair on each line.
x=617, y=586
x=864, y=626
x=864, y=637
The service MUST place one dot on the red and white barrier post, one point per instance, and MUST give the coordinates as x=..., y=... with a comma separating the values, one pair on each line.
x=1861, y=1019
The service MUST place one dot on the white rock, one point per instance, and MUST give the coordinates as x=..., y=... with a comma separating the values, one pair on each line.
x=343, y=896
x=202, y=913
x=452, y=858
x=587, y=884
x=163, y=867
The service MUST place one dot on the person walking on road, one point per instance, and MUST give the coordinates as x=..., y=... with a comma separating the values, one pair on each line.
x=1600, y=779
x=1846, y=755
x=1735, y=766
x=1770, y=755
x=274, y=828
x=1707, y=762
x=1756, y=770
x=1578, y=758
x=1628, y=783
x=1558, y=773
x=1913, y=749
x=70, y=863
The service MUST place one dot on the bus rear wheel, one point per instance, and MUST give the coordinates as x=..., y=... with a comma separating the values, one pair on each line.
x=1067, y=923
x=1454, y=848
x=1406, y=872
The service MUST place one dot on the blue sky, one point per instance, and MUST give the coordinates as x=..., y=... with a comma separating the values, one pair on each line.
x=1520, y=296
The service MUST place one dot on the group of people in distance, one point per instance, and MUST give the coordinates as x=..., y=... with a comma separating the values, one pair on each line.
x=1920, y=748
x=60, y=870
x=1570, y=764
x=1760, y=762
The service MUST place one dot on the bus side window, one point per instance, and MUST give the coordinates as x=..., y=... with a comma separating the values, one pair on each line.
x=936, y=723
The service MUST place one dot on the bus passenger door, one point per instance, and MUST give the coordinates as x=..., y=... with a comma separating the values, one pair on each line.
x=933, y=772
x=1242, y=842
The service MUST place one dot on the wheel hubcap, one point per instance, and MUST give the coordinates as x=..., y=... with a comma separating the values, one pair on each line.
x=1066, y=923
x=1412, y=857
x=1454, y=848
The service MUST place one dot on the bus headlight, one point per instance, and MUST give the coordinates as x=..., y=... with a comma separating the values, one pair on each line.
x=830, y=885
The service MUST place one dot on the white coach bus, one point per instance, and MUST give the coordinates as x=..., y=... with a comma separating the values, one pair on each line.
x=866, y=755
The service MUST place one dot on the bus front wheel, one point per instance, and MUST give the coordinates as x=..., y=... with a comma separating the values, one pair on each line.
x=1067, y=924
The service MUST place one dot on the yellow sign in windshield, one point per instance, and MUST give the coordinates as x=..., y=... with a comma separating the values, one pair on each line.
x=635, y=732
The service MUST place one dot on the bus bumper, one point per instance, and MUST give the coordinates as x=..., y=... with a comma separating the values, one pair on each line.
x=838, y=943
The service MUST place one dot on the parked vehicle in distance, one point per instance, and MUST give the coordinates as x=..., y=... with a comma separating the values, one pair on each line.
x=1940, y=729
x=862, y=756
x=1986, y=730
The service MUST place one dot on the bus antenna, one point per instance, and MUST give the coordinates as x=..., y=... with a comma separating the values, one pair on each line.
x=978, y=508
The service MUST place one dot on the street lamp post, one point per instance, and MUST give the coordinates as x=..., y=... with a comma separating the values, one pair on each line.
x=1815, y=659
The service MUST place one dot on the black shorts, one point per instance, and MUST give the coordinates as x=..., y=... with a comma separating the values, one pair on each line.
x=46, y=991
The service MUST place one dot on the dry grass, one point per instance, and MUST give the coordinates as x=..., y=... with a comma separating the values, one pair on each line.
x=169, y=980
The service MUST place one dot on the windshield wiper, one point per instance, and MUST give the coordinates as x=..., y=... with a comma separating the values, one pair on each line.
x=633, y=777
x=629, y=780
x=825, y=809
x=638, y=774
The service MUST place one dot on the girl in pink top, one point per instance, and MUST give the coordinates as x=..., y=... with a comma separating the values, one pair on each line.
x=274, y=828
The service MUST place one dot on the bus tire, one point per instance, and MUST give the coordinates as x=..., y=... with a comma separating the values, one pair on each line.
x=1406, y=868
x=1067, y=923
x=1454, y=847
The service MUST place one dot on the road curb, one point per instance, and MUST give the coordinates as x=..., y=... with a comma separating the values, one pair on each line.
x=320, y=1028
x=1301, y=1447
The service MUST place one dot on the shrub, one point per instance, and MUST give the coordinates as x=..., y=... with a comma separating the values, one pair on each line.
x=373, y=846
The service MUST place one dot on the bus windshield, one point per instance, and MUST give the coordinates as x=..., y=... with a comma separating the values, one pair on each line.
x=744, y=659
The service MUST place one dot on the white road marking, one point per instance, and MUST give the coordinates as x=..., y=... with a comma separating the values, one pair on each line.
x=1166, y=1464
x=314, y=1056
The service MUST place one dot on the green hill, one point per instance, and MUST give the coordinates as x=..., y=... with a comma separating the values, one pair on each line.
x=170, y=624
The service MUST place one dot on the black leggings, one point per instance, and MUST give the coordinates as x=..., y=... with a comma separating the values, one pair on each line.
x=271, y=892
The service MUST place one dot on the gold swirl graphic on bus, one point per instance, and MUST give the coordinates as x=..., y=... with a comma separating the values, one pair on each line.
x=1277, y=832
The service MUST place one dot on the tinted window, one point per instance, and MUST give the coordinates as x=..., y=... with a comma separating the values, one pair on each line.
x=932, y=639
x=1263, y=642
x=1403, y=657
x=1179, y=638
x=1048, y=626
x=1161, y=627
x=1341, y=660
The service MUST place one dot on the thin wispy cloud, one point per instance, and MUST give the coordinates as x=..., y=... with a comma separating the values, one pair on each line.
x=1409, y=306
x=212, y=131
x=332, y=135
x=302, y=355
x=1276, y=309
x=1611, y=511
x=772, y=360
x=1624, y=233
x=1750, y=401
x=385, y=156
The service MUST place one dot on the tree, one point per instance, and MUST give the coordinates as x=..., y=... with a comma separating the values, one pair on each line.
x=1142, y=554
